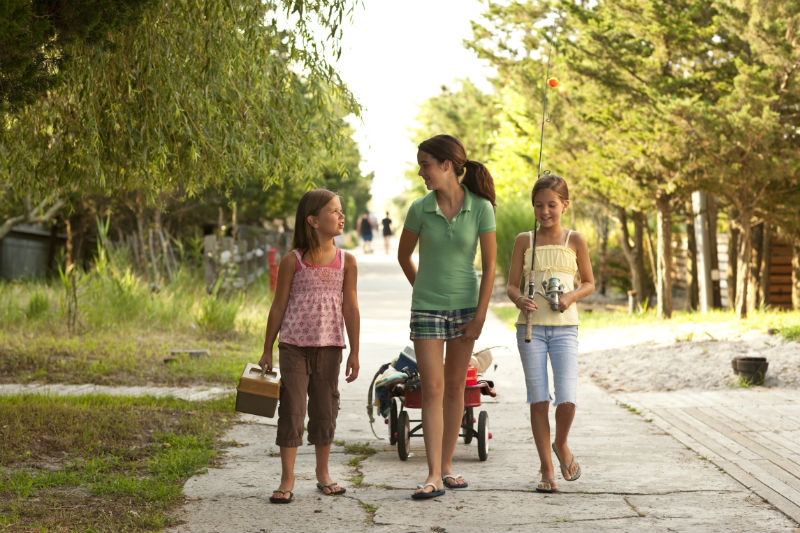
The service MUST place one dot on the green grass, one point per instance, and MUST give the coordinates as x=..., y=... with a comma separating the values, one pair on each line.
x=124, y=332
x=782, y=323
x=102, y=463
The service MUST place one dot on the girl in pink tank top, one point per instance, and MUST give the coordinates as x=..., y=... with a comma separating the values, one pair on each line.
x=315, y=302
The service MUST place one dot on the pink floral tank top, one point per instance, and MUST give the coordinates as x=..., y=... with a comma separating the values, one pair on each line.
x=313, y=315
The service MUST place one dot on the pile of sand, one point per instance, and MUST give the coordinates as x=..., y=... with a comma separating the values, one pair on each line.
x=666, y=357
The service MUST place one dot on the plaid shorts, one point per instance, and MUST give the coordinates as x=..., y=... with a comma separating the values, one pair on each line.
x=439, y=324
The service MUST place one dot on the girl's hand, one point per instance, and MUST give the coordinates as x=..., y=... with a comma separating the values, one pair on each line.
x=266, y=361
x=566, y=300
x=351, y=368
x=472, y=329
x=524, y=303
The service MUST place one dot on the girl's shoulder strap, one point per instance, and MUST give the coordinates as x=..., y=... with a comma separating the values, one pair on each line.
x=340, y=257
x=566, y=241
x=530, y=239
x=299, y=255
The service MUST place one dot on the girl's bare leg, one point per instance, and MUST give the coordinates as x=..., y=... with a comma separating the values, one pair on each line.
x=540, y=424
x=459, y=352
x=429, y=360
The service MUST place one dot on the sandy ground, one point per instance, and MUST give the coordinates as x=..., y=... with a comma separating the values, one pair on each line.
x=668, y=357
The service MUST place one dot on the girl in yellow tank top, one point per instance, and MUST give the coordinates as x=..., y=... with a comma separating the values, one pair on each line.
x=559, y=255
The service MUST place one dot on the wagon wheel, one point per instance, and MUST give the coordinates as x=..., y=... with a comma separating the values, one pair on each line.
x=483, y=435
x=393, y=422
x=467, y=424
x=403, y=435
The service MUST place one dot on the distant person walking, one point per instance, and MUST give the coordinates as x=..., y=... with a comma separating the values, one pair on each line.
x=448, y=308
x=365, y=227
x=387, y=231
x=560, y=254
x=315, y=300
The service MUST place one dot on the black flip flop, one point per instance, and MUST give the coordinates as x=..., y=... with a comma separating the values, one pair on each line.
x=273, y=499
x=339, y=492
x=435, y=493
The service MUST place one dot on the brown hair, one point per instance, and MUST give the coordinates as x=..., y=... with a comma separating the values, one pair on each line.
x=552, y=182
x=476, y=176
x=312, y=202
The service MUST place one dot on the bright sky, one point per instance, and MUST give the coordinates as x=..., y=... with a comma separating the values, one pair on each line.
x=395, y=55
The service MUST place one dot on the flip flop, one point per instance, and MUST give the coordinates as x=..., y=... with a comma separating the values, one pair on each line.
x=454, y=484
x=547, y=485
x=273, y=499
x=338, y=491
x=435, y=493
x=565, y=471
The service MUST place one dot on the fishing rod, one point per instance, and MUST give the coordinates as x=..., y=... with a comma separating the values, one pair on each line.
x=548, y=82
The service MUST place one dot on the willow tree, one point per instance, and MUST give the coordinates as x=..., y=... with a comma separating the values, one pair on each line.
x=197, y=95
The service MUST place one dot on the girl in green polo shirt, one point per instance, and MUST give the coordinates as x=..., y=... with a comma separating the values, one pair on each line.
x=448, y=307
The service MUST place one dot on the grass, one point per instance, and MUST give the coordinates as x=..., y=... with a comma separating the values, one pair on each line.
x=782, y=323
x=124, y=332
x=102, y=463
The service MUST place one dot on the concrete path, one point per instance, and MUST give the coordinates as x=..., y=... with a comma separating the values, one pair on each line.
x=636, y=476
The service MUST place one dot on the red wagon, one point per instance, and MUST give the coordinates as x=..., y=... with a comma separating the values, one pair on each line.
x=403, y=391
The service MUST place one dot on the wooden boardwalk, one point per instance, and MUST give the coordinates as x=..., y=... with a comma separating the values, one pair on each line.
x=752, y=434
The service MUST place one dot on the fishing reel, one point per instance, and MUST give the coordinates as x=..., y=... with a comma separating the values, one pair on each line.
x=553, y=289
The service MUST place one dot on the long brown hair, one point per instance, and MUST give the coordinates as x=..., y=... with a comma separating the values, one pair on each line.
x=476, y=176
x=552, y=182
x=312, y=202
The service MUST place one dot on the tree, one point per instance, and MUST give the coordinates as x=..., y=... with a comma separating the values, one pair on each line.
x=198, y=95
x=35, y=36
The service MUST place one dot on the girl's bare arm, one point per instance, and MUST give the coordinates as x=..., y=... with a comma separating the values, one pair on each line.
x=278, y=307
x=352, y=317
x=405, y=248
x=521, y=244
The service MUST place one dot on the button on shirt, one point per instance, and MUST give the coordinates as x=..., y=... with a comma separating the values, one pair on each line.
x=446, y=278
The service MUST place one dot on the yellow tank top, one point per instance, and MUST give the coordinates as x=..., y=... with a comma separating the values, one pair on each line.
x=552, y=261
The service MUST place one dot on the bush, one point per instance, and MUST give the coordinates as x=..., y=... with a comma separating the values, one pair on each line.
x=513, y=217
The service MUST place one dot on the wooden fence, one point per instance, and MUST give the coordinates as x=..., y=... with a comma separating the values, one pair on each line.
x=234, y=263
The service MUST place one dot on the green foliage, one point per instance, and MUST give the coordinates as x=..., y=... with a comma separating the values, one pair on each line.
x=197, y=104
x=514, y=216
x=34, y=35
x=217, y=314
x=38, y=306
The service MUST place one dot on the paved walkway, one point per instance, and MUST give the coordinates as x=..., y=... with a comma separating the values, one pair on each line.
x=636, y=475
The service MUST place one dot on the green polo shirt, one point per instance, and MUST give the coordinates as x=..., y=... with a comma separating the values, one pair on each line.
x=446, y=278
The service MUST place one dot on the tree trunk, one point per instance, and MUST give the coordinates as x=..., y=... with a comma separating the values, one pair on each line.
x=733, y=261
x=754, y=296
x=664, y=258
x=796, y=277
x=692, y=271
x=714, y=252
x=634, y=252
x=743, y=264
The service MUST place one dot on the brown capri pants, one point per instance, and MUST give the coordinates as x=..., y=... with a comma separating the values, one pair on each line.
x=311, y=371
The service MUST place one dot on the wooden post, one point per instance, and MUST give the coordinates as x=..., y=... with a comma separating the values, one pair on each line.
x=701, y=235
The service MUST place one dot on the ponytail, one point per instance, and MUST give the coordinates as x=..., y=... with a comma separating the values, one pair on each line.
x=479, y=181
x=476, y=176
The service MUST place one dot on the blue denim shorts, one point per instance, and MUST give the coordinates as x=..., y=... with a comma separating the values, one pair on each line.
x=439, y=324
x=560, y=343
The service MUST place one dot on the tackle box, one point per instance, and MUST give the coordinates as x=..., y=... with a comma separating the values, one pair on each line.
x=258, y=392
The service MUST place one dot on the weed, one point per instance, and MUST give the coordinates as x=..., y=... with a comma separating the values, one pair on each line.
x=370, y=510
x=38, y=306
x=355, y=462
x=364, y=450
x=357, y=480
x=685, y=338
